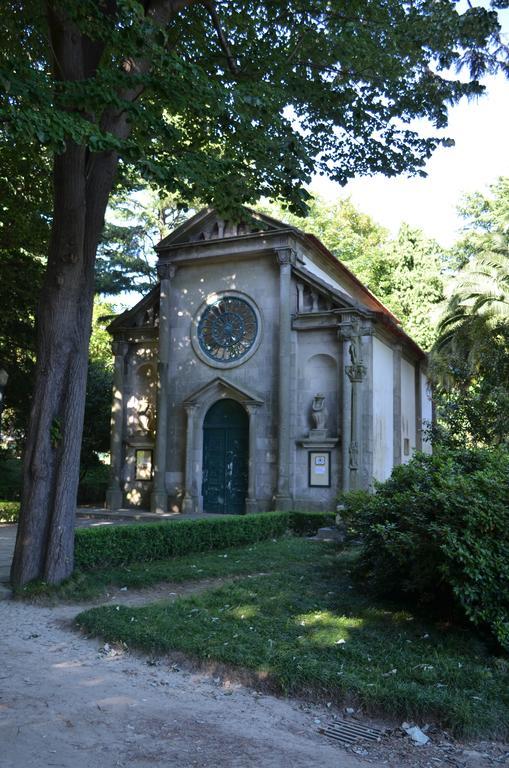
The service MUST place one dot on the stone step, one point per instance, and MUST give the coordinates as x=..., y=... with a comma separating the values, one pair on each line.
x=329, y=534
x=83, y=513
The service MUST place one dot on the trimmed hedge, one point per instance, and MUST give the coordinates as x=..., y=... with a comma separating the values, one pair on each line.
x=308, y=523
x=97, y=548
x=9, y=511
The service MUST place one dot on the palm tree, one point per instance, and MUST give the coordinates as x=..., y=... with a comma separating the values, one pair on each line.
x=469, y=363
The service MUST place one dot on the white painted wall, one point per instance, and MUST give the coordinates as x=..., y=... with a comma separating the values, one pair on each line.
x=408, y=411
x=426, y=412
x=383, y=391
x=310, y=265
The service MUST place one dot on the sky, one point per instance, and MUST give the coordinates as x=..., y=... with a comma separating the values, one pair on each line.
x=480, y=129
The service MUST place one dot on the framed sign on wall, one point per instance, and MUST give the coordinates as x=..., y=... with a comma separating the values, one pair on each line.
x=143, y=464
x=319, y=468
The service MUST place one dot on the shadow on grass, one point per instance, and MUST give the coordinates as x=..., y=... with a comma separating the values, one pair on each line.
x=308, y=629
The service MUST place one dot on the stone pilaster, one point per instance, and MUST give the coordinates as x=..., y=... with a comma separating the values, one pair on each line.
x=188, y=503
x=285, y=257
x=418, y=407
x=355, y=400
x=159, y=496
x=367, y=418
x=346, y=416
x=251, y=479
x=114, y=492
x=396, y=368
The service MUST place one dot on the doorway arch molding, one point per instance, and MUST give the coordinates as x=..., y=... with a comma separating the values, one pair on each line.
x=196, y=407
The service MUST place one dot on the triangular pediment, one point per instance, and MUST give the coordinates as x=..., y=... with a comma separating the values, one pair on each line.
x=218, y=389
x=208, y=224
x=144, y=314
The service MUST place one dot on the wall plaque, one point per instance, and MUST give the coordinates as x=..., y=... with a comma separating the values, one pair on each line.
x=143, y=464
x=319, y=468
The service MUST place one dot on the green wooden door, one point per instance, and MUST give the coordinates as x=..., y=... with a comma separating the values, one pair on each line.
x=225, y=458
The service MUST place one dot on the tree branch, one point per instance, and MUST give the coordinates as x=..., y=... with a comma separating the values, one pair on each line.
x=211, y=8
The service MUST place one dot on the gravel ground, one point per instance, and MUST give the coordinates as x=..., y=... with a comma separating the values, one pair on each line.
x=69, y=701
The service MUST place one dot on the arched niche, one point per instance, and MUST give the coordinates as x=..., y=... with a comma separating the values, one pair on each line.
x=141, y=406
x=321, y=375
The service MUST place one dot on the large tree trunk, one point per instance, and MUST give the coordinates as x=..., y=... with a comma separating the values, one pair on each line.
x=45, y=541
x=82, y=185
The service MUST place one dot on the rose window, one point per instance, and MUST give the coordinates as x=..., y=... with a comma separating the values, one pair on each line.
x=227, y=329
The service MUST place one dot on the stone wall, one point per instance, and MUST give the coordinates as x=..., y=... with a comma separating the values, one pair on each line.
x=192, y=284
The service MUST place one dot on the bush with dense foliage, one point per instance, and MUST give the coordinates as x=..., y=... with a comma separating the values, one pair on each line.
x=439, y=529
x=9, y=511
x=10, y=476
x=105, y=547
x=93, y=485
x=308, y=523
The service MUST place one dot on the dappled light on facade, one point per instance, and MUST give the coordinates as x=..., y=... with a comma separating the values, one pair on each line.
x=334, y=392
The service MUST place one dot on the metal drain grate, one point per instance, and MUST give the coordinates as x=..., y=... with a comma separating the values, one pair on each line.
x=348, y=732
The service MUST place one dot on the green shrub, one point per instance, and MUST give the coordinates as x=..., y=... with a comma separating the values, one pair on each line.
x=10, y=476
x=308, y=523
x=103, y=547
x=9, y=511
x=93, y=486
x=439, y=527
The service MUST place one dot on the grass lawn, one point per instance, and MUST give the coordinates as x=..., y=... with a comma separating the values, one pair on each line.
x=305, y=627
x=264, y=556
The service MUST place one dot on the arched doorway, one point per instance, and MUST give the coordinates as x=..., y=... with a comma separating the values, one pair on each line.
x=225, y=458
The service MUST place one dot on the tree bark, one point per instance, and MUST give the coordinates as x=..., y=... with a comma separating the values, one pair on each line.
x=45, y=541
x=82, y=183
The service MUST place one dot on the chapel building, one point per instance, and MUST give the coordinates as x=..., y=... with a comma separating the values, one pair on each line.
x=258, y=374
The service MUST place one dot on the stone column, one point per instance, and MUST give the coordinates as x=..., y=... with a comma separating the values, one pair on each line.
x=355, y=371
x=356, y=375
x=188, y=505
x=396, y=368
x=159, y=496
x=114, y=492
x=251, y=479
x=300, y=297
x=285, y=257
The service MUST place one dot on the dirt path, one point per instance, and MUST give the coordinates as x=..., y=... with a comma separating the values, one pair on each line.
x=72, y=702
x=66, y=701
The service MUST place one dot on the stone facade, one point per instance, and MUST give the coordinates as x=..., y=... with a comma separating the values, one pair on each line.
x=332, y=392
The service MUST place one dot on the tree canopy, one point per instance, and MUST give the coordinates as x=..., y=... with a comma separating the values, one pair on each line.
x=406, y=272
x=254, y=96
x=221, y=101
x=471, y=357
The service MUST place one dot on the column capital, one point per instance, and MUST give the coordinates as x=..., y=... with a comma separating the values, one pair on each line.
x=355, y=325
x=191, y=408
x=166, y=271
x=356, y=372
x=285, y=256
x=251, y=408
x=119, y=348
